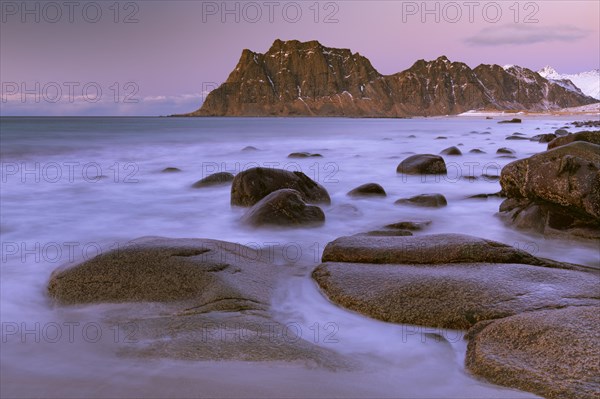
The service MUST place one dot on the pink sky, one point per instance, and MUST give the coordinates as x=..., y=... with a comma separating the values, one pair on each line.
x=175, y=49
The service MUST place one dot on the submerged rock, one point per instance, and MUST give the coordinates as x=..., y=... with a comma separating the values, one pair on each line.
x=505, y=150
x=422, y=164
x=490, y=177
x=451, y=151
x=513, y=120
x=409, y=225
x=515, y=137
x=304, y=155
x=425, y=200
x=368, y=190
x=586, y=123
x=345, y=210
x=170, y=170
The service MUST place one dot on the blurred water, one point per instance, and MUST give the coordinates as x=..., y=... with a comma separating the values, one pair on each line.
x=74, y=186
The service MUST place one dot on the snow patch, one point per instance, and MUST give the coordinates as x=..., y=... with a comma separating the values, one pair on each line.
x=588, y=82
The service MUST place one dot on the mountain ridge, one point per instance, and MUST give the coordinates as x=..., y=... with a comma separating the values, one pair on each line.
x=296, y=78
x=587, y=82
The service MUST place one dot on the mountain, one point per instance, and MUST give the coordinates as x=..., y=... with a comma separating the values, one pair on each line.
x=587, y=82
x=308, y=79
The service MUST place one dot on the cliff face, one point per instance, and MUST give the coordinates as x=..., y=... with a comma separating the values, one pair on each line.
x=309, y=79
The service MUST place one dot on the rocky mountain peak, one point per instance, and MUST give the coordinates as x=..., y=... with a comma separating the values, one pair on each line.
x=308, y=78
x=547, y=71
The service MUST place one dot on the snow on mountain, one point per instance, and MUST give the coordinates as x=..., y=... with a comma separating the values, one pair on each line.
x=587, y=82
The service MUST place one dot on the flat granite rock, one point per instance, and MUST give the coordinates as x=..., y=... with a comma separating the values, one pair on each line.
x=553, y=353
x=193, y=299
x=533, y=322
x=430, y=249
x=207, y=273
x=453, y=296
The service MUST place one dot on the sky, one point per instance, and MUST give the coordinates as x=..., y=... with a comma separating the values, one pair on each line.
x=162, y=57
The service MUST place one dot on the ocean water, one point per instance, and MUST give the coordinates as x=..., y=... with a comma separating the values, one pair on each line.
x=72, y=187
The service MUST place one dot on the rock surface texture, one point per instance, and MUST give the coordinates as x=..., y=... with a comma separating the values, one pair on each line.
x=254, y=184
x=284, y=208
x=189, y=299
x=557, y=190
x=422, y=164
x=532, y=322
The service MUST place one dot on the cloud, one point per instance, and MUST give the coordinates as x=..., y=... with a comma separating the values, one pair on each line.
x=519, y=34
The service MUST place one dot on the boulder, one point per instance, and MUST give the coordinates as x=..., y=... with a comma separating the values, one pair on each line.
x=451, y=151
x=513, y=120
x=590, y=137
x=564, y=181
x=476, y=151
x=368, y=190
x=424, y=200
x=422, y=164
x=214, y=180
x=249, y=148
x=553, y=353
x=254, y=184
x=284, y=207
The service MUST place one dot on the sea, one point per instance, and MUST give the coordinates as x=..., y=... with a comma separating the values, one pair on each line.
x=72, y=188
